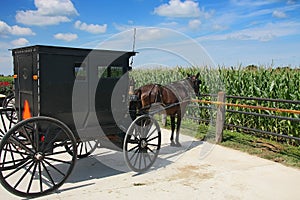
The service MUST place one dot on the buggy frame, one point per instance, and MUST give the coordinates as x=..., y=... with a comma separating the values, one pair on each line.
x=68, y=101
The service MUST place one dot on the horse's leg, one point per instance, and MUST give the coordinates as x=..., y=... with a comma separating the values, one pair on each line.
x=178, y=129
x=172, y=129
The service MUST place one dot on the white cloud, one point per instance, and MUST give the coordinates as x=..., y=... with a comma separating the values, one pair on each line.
x=169, y=24
x=33, y=18
x=47, y=13
x=252, y=3
x=278, y=14
x=91, y=28
x=290, y=2
x=55, y=7
x=5, y=29
x=194, y=24
x=176, y=8
x=66, y=36
x=20, y=42
x=219, y=27
x=264, y=33
x=150, y=34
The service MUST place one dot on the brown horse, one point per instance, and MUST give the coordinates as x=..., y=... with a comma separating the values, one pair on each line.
x=173, y=97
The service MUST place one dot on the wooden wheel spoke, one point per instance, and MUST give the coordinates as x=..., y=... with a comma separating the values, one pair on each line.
x=140, y=159
x=156, y=145
x=150, y=150
x=48, y=173
x=151, y=134
x=18, y=152
x=58, y=160
x=148, y=156
x=5, y=151
x=17, y=169
x=14, y=161
x=4, y=124
x=90, y=144
x=31, y=179
x=137, y=155
x=48, y=163
x=133, y=148
x=136, y=151
x=40, y=177
x=55, y=153
x=23, y=176
x=145, y=163
x=81, y=147
x=20, y=144
x=156, y=137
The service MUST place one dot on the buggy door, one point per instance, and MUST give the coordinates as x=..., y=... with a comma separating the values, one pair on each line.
x=111, y=95
x=26, y=84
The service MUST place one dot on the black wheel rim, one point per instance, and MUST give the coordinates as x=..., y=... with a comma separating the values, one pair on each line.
x=33, y=160
x=142, y=143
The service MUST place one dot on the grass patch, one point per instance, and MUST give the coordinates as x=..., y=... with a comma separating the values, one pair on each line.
x=265, y=148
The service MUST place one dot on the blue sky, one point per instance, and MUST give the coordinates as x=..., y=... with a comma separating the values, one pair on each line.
x=228, y=32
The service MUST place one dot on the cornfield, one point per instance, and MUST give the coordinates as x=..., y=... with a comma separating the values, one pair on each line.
x=280, y=83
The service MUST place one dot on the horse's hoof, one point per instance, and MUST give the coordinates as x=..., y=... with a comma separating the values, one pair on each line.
x=178, y=144
x=173, y=144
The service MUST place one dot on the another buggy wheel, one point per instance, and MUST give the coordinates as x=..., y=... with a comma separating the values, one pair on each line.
x=10, y=108
x=7, y=120
x=9, y=100
x=142, y=143
x=84, y=148
x=33, y=160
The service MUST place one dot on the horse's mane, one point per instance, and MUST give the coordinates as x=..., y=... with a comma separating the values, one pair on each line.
x=182, y=89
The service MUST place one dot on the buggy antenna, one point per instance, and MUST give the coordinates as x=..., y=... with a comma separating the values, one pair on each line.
x=133, y=45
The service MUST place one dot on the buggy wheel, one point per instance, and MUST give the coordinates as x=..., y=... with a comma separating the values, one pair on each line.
x=142, y=143
x=33, y=160
x=7, y=120
x=10, y=108
x=84, y=148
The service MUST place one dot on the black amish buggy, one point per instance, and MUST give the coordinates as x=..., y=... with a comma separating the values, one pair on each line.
x=68, y=101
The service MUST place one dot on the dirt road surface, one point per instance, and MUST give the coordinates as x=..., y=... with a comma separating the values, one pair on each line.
x=197, y=170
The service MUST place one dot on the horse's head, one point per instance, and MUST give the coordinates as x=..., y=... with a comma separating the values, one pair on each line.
x=195, y=82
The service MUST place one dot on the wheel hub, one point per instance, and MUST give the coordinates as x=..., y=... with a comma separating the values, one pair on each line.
x=143, y=144
x=39, y=156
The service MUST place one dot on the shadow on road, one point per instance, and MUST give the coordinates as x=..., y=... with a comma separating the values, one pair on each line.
x=107, y=163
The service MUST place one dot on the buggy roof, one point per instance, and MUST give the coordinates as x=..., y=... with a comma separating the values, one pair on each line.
x=65, y=50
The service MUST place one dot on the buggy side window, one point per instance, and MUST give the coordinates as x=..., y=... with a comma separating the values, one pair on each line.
x=110, y=72
x=80, y=71
x=116, y=72
x=102, y=72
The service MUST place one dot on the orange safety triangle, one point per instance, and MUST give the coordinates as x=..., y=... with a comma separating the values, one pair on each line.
x=26, y=110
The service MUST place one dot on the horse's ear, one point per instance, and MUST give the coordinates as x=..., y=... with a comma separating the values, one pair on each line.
x=197, y=75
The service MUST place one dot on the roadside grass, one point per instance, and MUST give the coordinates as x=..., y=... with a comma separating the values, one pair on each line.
x=280, y=152
x=266, y=148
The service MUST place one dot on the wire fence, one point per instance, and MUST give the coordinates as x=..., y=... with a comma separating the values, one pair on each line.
x=292, y=116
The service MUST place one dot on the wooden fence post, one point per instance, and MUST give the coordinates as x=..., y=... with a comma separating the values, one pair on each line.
x=220, y=117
